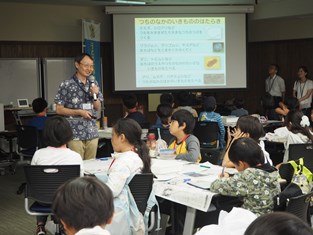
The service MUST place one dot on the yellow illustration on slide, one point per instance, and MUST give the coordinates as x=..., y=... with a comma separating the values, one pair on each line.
x=212, y=62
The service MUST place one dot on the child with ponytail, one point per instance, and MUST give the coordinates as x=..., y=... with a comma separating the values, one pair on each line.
x=130, y=157
x=298, y=126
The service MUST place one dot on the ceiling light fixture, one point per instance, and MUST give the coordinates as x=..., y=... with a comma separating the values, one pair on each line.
x=130, y=2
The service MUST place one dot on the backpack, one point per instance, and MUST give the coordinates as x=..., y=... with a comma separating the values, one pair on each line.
x=297, y=173
x=282, y=199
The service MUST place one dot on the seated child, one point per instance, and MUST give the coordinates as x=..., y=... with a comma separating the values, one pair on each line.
x=84, y=206
x=130, y=157
x=184, y=102
x=246, y=126
x=256, y=183
x=291, y=103
x=187, y=146
x=239, y=111
x=57, y=133
x=40, y=108
x=209, y=106
x=131, y=104
x=164, y=113
x=167, y=98
x=298, y=130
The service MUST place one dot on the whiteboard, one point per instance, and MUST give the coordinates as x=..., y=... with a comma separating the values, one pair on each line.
x=20, y=79
x=55, y=71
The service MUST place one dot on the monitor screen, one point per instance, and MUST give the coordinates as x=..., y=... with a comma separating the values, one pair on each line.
x=22, y=103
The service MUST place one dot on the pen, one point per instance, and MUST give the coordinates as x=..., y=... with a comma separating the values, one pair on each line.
x=204, y=166
x=222, y=174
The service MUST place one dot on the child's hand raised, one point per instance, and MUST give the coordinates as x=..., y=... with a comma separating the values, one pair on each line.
x=237, y=133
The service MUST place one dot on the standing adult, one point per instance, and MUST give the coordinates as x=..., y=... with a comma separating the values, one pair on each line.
x=275, y=86
x=302, y=90
x=75, y=100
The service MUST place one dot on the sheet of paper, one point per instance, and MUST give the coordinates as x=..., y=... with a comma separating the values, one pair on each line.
x=184, y=194
x=96, y=166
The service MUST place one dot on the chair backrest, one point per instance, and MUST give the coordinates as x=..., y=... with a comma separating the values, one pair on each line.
x=27, y=139
x=299, y=206
x=141, y=187
x=42, y=181
x=297, y=151
x=207, y=133
x=210, y=155
x=144, y=125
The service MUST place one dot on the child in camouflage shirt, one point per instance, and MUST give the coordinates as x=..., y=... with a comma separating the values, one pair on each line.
x=256, y=183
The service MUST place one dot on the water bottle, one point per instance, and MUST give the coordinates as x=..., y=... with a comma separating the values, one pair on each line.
x=151, y=143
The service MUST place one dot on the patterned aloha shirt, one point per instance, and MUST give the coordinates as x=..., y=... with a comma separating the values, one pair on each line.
x=256, y=187
x=72, y=96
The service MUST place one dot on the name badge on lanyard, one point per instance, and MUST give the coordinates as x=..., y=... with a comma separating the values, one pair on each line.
x=87, y=106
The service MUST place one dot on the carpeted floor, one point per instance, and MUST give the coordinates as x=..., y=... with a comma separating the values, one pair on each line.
x=13, y=217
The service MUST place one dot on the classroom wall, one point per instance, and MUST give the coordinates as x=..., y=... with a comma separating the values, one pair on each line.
x=280, y=29
x=43, y=22
x=280, y=20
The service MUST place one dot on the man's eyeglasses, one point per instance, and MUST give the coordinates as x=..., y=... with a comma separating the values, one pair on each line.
x=86, y=66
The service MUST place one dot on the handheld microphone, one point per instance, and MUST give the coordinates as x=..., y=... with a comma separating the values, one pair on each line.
x=92, y=81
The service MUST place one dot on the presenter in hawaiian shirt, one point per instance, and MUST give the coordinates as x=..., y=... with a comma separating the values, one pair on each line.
x=78, y=98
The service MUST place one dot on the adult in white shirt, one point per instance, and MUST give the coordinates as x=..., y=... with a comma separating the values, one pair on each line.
x=57, y=133
x=275, y=86
x=302, y=90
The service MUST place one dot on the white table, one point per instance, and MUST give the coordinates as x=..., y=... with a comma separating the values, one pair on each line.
x=94, y=166
x=170, y=184
x=231, y=121
x=107, y=133
x=176, y=190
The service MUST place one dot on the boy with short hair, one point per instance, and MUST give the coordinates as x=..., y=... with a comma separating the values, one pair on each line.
x=40, y=108
x=164, y=113
x=240, y=110
x=209, y=115
x=187, y=146
x=84, y=206
x=167, y=98
x=131, y=104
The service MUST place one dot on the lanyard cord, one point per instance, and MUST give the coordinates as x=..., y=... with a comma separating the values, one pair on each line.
x=82, y=88
x=111, y=163
x=301, y=91
x=271, y=85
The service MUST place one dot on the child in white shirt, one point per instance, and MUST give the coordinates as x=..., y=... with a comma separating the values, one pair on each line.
x=84, y=206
